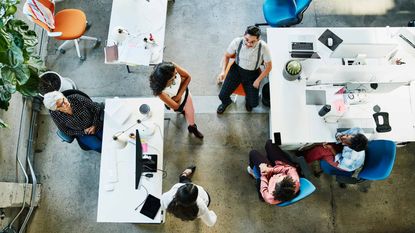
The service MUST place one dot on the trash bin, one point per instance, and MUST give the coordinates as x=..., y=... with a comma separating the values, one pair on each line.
x=266, y=95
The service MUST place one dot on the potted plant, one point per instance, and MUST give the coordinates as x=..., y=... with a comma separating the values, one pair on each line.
x=52, y=81
x=19, y=65
x=292, y=70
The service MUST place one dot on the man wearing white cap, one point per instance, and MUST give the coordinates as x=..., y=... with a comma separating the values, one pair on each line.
x=76, y=115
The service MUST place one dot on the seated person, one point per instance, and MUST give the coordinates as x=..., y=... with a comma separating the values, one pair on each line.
x=347, y=154
x=279, y=180
x=78, y=116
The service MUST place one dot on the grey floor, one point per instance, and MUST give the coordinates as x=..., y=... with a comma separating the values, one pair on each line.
x=197, y=34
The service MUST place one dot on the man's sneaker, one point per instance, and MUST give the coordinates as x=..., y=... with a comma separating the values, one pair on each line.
x=250, y=171
x=221, y=108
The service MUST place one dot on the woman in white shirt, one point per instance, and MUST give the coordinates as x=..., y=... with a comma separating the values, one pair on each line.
x=188, y=201
x=169, y=82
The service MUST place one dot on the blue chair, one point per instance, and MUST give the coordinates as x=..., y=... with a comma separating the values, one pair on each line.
x=306, y=188
x=69, y=139
x=283, y=13
x=379, y=160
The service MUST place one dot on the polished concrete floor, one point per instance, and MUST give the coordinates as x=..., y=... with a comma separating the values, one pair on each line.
x=197, y=34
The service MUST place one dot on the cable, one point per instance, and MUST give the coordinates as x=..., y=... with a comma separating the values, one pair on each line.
x=136, y=208
x=164, y=172
x=149, y=168
x=158, y=126
x=155, y=148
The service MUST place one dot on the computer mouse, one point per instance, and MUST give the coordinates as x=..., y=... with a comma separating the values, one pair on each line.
x=329, y=41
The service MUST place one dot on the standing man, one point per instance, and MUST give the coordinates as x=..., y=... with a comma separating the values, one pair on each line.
x=249, y=53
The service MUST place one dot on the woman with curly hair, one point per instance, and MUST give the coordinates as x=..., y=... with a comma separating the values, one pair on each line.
x=169, y=82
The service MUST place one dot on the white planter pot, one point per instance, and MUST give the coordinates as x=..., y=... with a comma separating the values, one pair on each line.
x=64, y=83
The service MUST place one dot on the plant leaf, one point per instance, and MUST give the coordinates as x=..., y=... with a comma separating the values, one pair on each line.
x=30, y=88
x=22, y=74
x=7, y=74
x=4, y=98
x=3, y=124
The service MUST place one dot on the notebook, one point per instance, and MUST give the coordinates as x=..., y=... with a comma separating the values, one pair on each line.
x=151, y=206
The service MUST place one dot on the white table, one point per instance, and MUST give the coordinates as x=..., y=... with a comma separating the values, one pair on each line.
x=297, y=124
x=139, y=18
x=118, y=197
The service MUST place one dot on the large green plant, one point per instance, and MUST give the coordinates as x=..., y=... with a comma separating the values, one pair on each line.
x=19, y=65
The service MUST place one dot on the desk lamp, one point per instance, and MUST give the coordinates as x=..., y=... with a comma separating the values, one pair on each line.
x=121, y=139
x=120, y=34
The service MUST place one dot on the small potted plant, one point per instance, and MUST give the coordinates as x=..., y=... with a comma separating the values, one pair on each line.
x=292, y=70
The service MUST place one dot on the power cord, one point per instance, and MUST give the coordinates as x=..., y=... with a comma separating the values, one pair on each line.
x=141, y=203
x=164, y=172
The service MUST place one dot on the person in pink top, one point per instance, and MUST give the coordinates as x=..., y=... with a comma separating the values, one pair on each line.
x=279, y=180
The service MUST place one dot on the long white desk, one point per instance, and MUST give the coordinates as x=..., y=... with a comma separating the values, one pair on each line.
x=118, y=197
x=139, y=18
x=293, y=123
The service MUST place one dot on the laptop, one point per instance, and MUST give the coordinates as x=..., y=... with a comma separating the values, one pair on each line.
x=302, y=46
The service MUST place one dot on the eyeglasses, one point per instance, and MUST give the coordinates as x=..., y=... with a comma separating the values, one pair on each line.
x=60, y=103
x=250, y=42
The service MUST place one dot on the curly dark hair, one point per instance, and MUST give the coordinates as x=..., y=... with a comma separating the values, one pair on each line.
x=358, y=142
x=162, y=73
x=285, y=190
x=184, y=205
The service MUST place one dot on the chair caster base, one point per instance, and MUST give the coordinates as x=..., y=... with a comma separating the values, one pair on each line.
x=88, y=26
x=62, y=51
x=97, y=43
x=342, y=185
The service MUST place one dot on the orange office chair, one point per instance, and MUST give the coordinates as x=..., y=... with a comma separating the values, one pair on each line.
x=240, y=89
x=69, y=24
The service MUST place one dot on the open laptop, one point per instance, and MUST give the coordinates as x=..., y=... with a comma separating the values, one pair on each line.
x=302, y=46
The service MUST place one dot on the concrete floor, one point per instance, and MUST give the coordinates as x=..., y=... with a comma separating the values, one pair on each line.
x=197, y=34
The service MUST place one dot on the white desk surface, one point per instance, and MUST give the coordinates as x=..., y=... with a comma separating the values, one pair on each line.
x=299, y=123
x=118, y=165
x=140, y=18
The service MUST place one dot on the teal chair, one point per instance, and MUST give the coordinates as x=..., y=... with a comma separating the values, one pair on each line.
x=306, y=188
x=283, y=13
x=379, y=159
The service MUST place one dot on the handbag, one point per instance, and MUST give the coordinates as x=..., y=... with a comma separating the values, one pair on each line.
x=111, y=53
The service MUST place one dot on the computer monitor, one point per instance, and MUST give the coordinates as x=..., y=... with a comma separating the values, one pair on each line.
x=138, y=159
x=367, y=50
x=373, y=87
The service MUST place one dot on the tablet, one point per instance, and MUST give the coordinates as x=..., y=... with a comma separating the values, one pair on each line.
x=151, y=206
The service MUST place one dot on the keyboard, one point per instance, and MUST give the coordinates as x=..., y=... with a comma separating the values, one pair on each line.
x=302, y=46
x=297, y=54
